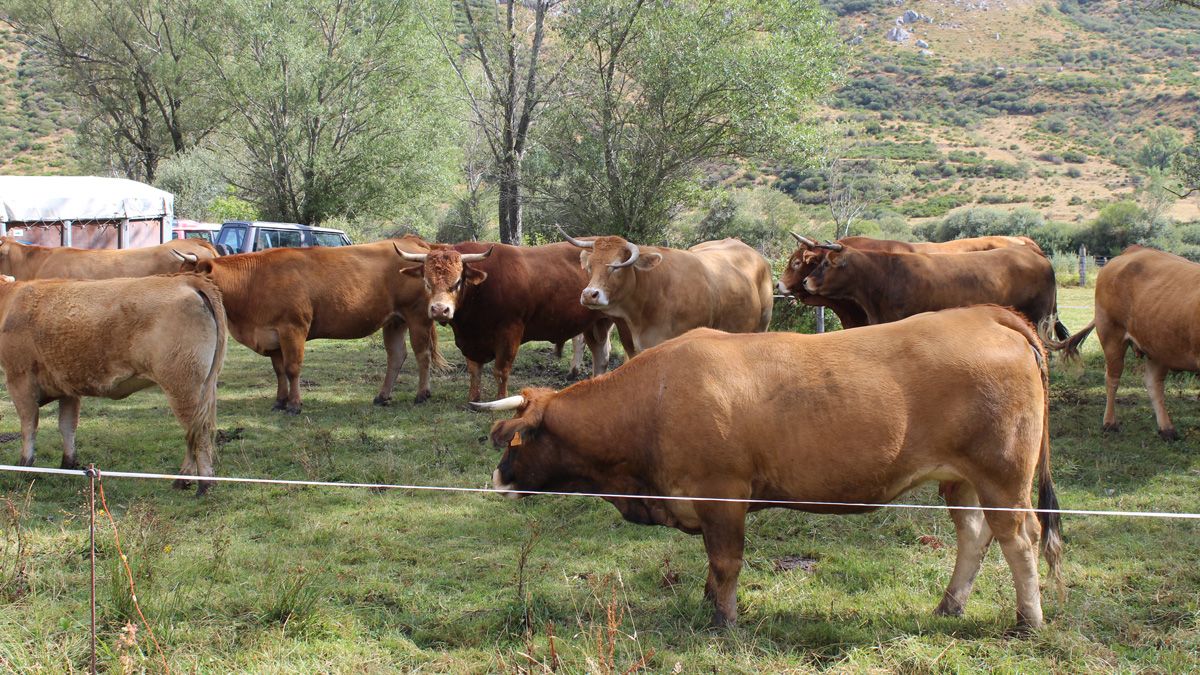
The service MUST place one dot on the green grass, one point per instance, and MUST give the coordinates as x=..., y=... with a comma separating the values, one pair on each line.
x=295, y=580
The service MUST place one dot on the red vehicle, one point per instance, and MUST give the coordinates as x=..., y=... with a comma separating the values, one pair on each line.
x=192, y=229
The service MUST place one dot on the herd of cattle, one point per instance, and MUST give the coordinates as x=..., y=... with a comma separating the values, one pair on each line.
x=951, y=386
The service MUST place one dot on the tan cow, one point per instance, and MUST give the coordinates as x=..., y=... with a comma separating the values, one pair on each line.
x=47, y=262
x=959, y=397
x=664, y=292
x=61, y=340
x=1149, y=300
x=282, y=297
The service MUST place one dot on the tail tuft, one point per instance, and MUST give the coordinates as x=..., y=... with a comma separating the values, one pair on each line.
x=436, y=360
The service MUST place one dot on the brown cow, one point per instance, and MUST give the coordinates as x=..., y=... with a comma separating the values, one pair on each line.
x=1148, y=299
x=959, y=397
x=892, y=286
x=808, y=255
x=279, y=298
x=498, y=297
x=46, y=262
x=61, y=340
x=664, y=292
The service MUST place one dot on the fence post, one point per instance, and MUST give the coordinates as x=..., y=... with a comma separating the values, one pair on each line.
x=91, y=473
x=1082, y=265
x=820, y=319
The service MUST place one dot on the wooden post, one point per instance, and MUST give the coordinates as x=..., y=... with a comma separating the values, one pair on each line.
x=1082, y=265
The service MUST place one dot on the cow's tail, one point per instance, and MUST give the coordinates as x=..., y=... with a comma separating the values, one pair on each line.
x=204, y=423
x=436, y=360
x=1070, y=346
x=1047, y=513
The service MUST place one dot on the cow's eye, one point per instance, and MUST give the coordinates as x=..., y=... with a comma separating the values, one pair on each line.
x=457, y=285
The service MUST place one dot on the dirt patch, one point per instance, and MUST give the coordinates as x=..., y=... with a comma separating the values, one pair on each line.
x=796, y=562
x=226, y=436
x=9, y=437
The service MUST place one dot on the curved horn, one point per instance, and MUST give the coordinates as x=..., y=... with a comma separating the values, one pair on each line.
x=185, y=257
x=634, y=253
x=410, y=257
x=510, y=403
x=476, y=257
x=573, y=240
x=830, y=246
x=805, y=241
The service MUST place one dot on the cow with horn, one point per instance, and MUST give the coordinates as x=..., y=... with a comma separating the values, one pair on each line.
x=664, y=292
x=719, y=417
x=497, y=297
x=25, y=262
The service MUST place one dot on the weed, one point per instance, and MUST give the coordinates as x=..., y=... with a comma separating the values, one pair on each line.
x=292, y=604
x=14, y=548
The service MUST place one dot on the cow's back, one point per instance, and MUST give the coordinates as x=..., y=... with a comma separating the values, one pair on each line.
x=73, y=263
x=1154, y=297
x=737, y=280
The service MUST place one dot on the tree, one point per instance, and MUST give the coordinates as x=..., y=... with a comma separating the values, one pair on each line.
x=134, y=65
x=1159, y=149
x=507, y=93
x=662, y=88
x=338, y=106
x=1186, y=166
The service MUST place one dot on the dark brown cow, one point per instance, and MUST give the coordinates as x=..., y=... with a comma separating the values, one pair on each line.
x=61, y=340
x=1149, y=300
x=279, y=298
x=959, y=397
x=664, y=292
x=892, y=286
x=808, y=255
x=25, y=262
x=498, y=297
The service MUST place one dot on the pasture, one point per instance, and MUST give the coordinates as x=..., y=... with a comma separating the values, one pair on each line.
x=281, y=579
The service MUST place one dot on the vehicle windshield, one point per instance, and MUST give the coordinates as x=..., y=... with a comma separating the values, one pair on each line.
x=232, y=237
x=328, y=239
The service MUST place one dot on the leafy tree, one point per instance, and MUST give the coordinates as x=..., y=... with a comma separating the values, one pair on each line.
x=338, y=108
x=1186, y=166
x=1159, y=149
x=662, y=88
x=135, y=66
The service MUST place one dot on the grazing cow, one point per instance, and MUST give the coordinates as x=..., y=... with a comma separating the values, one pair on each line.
x=959, y=397
x=1149, y=300
x=46, y=262
x=664, y=292
x=892, y=286
x=808, y=255
x=498, y=297
x=280, y=298
x=61, y=340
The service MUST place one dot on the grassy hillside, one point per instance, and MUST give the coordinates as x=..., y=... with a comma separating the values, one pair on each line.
x=35, y=120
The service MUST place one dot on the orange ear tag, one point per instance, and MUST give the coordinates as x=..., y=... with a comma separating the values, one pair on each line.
x=516, y=440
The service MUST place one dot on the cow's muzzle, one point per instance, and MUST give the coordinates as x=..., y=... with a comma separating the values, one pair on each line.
x=810, y=285
x=593, y=298
x=441, y=312
x=504, y=488
x=783, y=290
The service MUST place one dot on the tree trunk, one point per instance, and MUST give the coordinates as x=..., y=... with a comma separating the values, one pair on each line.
x=511, y=230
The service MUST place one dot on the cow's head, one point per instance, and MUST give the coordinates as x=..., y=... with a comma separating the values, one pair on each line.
x=612, y=264
x=830, y=277
x=446, y=273
x=532, y=459
x=804, y=260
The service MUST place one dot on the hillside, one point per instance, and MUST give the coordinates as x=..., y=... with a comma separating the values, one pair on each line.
x=35, y=121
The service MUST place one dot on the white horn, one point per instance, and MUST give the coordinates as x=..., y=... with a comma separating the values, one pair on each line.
x=185, y=257
x=476, y=257
x=510, y=403
x=578, y=242
x=410, y=257
x=634, y=253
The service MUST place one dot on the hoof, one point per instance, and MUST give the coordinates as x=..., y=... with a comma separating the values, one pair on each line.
x=202, y=488
x=69, y=464
x=422, y=396
x=1111, y=428
x=573, y=374
x=26, y=462
x=1023, y=629
x=382, y=401
x=948, y=608
x=181, y=484
x=720, y=620
x=279, y=405
x=292, y=410
x=1168, y=434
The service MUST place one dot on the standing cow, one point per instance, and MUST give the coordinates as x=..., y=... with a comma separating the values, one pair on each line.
x=664, y=292
x=25, y=262
x=280, y=298
x=892, y=286
x=809, y=254
x=497, y=297
x=725, y=416
x=62, y=340
x=1149, y=300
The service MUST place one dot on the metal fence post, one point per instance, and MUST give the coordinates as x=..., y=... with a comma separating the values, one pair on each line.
x=1082, y=265
x=820, y=319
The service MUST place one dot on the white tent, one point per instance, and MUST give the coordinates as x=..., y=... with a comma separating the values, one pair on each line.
x=69, y=203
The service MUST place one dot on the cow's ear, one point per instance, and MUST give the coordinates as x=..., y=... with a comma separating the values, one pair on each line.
x=417, y=271
x=585, y=259
x=473, y=276
x=648, y=261
x=505, y=432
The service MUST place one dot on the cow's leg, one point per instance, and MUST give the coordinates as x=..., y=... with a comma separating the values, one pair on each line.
x=507, y=345
x=1154, y=376
x=723, y=525
x=68, y=420
x=599, y=343
x=198, y=418
x=576, y=356
x=291, y=345
x=281, y=382
x=974, y=537
x=1018, y=533
x=475, y=371
x=397, y=353
x=28, y=412
x=421, y=338
x=1114, y=364
x=626, y=336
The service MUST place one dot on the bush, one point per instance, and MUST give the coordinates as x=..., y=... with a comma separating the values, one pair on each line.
x=1117, y=226
x=1074, y=172
x=1074, y=157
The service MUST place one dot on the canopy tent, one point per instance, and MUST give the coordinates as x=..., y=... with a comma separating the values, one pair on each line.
x=85, y=211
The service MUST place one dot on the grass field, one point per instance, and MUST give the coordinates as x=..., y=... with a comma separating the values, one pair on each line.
x=295, y=580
